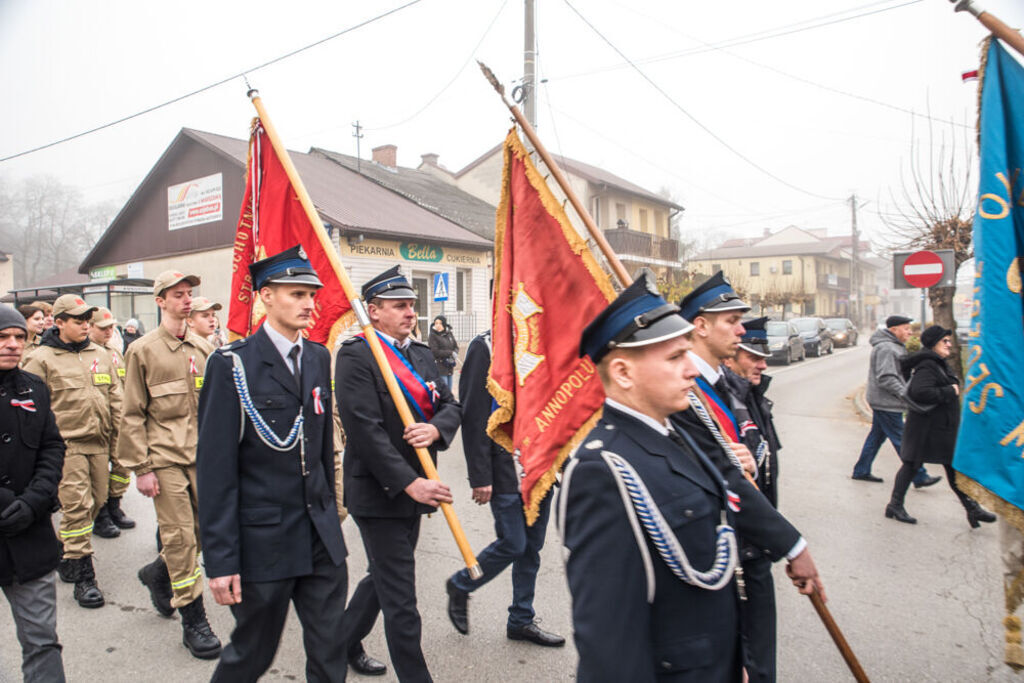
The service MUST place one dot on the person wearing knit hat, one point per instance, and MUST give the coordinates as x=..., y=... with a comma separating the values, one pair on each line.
x=32, y=454
x=86, y=400
x=932, y=423
x=886, y=395
x=111, y=519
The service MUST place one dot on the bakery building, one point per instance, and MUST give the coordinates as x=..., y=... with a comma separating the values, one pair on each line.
x=185, y=212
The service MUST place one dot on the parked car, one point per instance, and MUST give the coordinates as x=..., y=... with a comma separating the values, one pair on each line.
x=815, y=334
x=784, y=342
x=844, y=332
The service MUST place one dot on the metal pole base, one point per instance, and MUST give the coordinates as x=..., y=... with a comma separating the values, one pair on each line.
x=475, y=572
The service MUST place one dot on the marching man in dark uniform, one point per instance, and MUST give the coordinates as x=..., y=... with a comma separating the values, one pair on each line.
x=647, y=518
x=385, y=490
x=265, y=458
x=716, y=311
x=747, y=384
x=492, y=474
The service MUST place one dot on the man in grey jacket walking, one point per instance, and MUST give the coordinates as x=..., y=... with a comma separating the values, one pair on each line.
x=887, y=395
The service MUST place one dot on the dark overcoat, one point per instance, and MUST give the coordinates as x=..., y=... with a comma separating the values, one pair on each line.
x=487, y=463
x=31, y=462
x=930, y=436
x=259, y=512
x=378, y=463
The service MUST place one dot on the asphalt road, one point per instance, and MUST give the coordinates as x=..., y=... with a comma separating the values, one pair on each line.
x=917, y=603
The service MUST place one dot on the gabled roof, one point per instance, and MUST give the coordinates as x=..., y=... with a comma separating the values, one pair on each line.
x=425, y=189
x=351, y=202
x=819, y=248
x=592, y=174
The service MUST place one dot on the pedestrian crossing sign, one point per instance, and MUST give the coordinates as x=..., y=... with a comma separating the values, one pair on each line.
x=440, y=286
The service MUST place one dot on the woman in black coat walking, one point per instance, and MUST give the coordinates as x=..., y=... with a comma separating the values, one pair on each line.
x=444, y=347
x=932, y=422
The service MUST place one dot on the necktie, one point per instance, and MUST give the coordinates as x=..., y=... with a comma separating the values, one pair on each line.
x=721, y=388
x=293, y=355
x=679, y=441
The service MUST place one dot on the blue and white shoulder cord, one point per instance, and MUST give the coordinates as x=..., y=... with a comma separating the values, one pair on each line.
x=702, y=413
x=263, y=430
x=641, y=510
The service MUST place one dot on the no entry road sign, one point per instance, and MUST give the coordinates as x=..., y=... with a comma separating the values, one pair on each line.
x=923, y=269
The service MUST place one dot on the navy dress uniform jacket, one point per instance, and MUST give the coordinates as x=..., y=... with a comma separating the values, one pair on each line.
x=378, y=463
x=257, y=512
x=487, y=463
x=687, y=633
x=31, y=463
x=758, y=523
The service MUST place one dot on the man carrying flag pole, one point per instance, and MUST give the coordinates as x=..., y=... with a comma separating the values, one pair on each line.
x=990, y=444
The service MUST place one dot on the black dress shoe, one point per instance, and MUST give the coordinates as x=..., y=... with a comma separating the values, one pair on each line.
x=535, y=634
x=366, y=665
x=899, y=513
x=458, y=603
x=927, y=481
x=867, y=477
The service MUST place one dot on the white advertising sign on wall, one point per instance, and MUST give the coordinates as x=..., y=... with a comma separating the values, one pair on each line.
x=195, y=202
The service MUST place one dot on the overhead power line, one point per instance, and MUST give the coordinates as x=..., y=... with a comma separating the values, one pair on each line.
x=454, y=78
x=719, y=47
x=197, y=91
x=691, y=117
x=745, y=39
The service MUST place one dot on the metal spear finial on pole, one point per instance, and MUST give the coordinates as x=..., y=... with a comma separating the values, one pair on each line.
x=999, y=29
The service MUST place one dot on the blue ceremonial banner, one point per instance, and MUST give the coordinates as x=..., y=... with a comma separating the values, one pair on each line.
x=990, y=446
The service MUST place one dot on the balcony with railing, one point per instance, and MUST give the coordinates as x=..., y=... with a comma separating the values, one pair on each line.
x=626, y=242
x=833, y=281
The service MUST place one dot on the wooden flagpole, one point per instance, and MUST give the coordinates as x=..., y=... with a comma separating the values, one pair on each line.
x=613, y=260
x=625, y=280
x=397, y=397
x=999, y=29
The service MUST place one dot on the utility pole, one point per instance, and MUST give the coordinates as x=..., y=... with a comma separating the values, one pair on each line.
x=855, y=303
x=358, y=135
x=530, y=66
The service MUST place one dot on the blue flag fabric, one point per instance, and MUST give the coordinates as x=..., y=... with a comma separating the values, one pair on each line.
x=990, y=446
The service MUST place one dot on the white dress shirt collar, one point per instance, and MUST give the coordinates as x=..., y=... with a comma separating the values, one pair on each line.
x=661, y=428
x=283, y=345
x=397, y=344
x=711, y=374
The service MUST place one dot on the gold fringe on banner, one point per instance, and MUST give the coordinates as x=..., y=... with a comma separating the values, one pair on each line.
x=506, y=399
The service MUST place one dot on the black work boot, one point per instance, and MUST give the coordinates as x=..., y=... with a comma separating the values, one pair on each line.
x=66, y=570
x=103, y=526
x=196, y=633
x=154, y=576
x=896, y=511
x=87, y=593
x=117, y=515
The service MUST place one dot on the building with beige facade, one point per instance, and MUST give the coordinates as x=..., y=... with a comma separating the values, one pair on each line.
x=636, y=222
x=799, y=272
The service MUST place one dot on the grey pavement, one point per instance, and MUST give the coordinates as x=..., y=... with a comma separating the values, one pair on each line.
x=917, y=603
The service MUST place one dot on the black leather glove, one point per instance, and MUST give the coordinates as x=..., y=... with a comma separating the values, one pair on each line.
x=15, y=518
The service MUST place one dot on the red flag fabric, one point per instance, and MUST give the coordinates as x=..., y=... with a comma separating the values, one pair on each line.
x=271, y=220
x=547, y=287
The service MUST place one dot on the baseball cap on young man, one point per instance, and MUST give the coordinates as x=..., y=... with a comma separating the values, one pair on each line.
x=72, y=305
x=169, y=278
x=102, y=317
x=201, y=303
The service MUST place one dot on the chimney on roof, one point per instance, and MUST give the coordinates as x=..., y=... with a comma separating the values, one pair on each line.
x=386, y=155
x=429, y=159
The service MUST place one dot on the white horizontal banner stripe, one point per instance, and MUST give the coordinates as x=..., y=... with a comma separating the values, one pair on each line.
x=923, y=269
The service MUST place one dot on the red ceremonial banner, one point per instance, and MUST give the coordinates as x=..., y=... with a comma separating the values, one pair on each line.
x=547, y=287
x=272, y=220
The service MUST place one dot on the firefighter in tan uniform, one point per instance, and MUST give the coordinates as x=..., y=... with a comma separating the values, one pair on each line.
x=203, y=318
x=111, y=518
x=86, y=400
x=164, y=373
